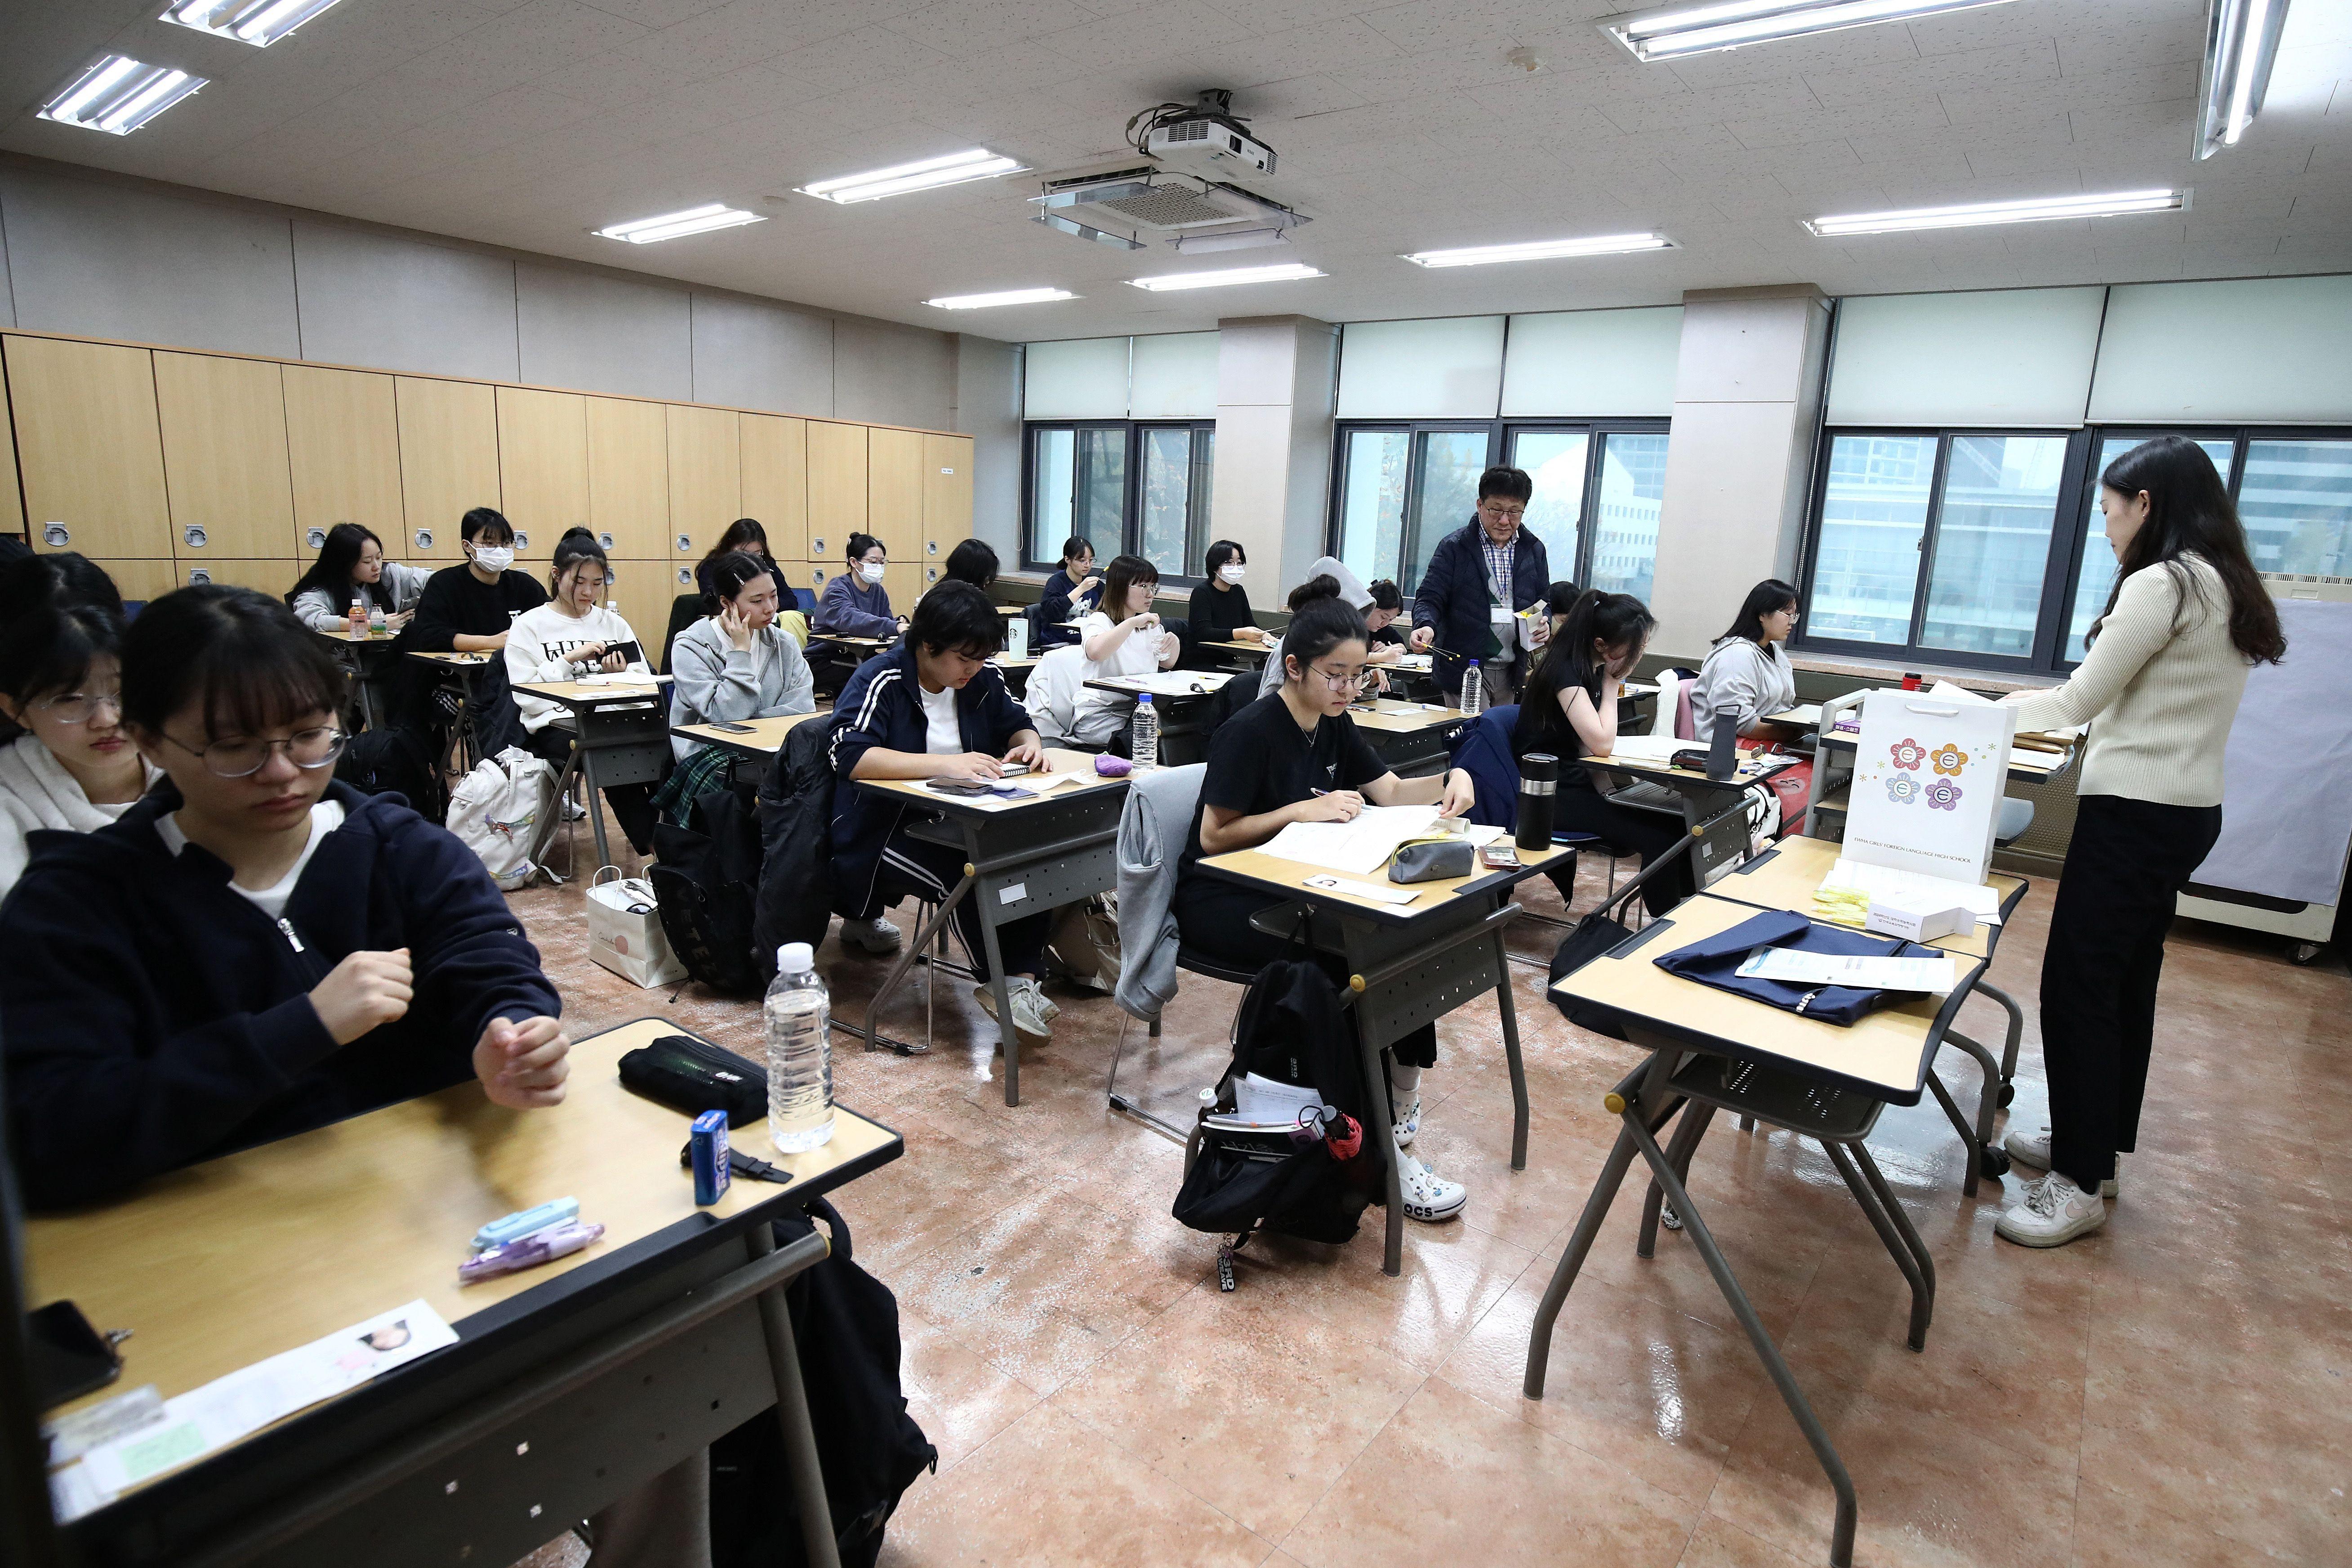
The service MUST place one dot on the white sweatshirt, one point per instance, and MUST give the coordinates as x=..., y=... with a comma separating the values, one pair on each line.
x=36, y=791
x=539, y=646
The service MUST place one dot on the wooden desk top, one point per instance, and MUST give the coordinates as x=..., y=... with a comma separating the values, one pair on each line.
x=1203, y=683
x=345, y=639
x=455, y=660
x=1803, y=716
x=581, y=693
x=1785, y=877
x=1259, y=649
x=1405, y=723
x=1056, y=761
x=226, y=1263
x=1006, y=661
x=766, y=737
x=1643, y=767
x=1288, y=878
x=848, y=641
x=1884, y=1055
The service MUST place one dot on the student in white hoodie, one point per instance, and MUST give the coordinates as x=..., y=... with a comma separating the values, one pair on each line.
x=74, y=769
x=1748, y=669
x=573, y=635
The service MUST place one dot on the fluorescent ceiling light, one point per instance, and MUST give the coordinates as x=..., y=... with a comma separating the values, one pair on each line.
x=2114, y=205
x=257, y=22
x=117, y=95
x=1671, y=32
x=1542, y=250
x=673, y=225
x=1231, y=275
x=1007, y=297
x=2242, y=39
x=953, y=169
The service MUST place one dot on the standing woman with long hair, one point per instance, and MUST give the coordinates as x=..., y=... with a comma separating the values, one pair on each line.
x=2187, y=619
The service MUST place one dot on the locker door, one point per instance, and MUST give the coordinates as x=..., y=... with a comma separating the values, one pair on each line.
x=542, y=468
x=947, y=495
x=894, y=492
x=705, y=478
x=89, y=449
x=775, y=480
x=224, y=459
x=342, y=443
x=628, y=477
x=836, y=489
x=448, y=460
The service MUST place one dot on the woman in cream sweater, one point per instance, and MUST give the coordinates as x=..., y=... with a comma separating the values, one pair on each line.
x=2167, y=663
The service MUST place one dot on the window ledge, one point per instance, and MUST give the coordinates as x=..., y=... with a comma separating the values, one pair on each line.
x=1868, y=669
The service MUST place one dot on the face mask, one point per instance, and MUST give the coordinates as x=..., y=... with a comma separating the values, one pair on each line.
x=871, y=572
x=493, y=557
x=1230, y=572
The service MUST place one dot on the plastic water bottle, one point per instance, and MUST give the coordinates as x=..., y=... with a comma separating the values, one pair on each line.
x=799, y=1017
x=1144, y=749
x=358, y=622
x=376, y=618
x=1474, y=690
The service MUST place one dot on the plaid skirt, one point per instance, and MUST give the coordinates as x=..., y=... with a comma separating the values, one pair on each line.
x=708, y=769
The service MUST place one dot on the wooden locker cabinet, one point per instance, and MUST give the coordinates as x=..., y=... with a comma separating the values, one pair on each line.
x=947, y=495
x=705, y=478
x=342, y=444
x=90, y=452
x=775, y=480
x=272, y=576
x=894, y=492
x=448, y=460
x=225, y=464
x=542, y=468
x=815, y=575
x=642, y=591
x=140, y=581
x=904, y=581
x=12, y=509
x=628, y=477
x=836, y=489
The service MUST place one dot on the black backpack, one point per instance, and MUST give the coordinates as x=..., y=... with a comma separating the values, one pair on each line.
x=1294, y=1030
x=795, y=897
x=393, y=760
x=845, y=1323
x=707, y=884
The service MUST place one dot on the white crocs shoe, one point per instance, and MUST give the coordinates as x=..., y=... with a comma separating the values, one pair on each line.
x=876, y=935
x=1408, y=1123
x=2032, y=1149
x=1428, y=1196
x=2054, y=1212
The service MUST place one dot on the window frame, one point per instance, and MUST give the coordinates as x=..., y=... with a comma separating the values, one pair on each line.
x=1500, y=434
x=1199, y=499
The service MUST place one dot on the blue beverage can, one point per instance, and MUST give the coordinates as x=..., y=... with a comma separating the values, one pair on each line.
x=710, y=1156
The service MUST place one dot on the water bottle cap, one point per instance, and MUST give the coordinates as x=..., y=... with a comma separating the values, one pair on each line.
x=1143, y=699
x=796, y=958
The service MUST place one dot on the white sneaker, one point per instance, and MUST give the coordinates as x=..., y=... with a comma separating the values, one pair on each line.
x=1428, y=1196
x=573, y=810
x=2032, y=1149
x=1028, y=1021
x=2054, y=1212
x=1408, y=1124
x=876, y=935
x=1047, y=1008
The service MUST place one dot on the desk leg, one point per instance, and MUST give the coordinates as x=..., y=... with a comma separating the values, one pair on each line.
x=545, y=837
x=792, y=1415
x=2009, y=1046
x=905, y=961
x=1571, y=1260
x=1376, y=1080
x=584, y=760
x=1684, y=1145
x=1899, y=1244
x=1008, y=1037
x=1511, y=1052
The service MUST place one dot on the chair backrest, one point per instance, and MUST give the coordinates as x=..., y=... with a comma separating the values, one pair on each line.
x=1670, y=687
x=1151, y=828
x=806, y=599
x=684, y=611
x=1053, y=694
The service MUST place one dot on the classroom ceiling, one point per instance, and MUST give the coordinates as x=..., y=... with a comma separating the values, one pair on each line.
x=529, y=123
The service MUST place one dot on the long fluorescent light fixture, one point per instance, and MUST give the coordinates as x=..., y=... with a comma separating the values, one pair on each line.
x=675, y=225
x=1671, y=32
x=1228, y=276
x=1542, y=250
x=260, y=23
x=1006, y=297
x=117, y=95
x=2241, y=38
x=2114, y=205
x=928, y=174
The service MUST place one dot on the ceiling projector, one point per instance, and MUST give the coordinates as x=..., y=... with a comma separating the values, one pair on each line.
x=1179, y=186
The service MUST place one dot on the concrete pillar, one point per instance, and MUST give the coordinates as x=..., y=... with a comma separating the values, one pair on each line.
x=1275, y=379
x=988, y=408
x=1747, y=388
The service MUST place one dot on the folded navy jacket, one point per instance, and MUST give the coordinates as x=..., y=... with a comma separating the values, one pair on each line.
x=1714, y=962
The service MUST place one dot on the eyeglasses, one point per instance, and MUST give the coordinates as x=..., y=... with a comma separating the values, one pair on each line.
x=1356, y=679
x=81, y=706
x=307, y=749
x=1500, y=513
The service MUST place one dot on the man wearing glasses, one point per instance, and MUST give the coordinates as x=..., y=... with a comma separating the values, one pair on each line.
x=1477, y=581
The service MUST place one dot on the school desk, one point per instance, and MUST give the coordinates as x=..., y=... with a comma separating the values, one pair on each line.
x=466, y=668
x=1408, y=964
x=1714, y=811
x=759, y=739
x=1182, y=740
x=1416, y=743
x=620, y=736
x=1021, y=857
x=1710, y=1051
x=570, y=1385
x=365, y=659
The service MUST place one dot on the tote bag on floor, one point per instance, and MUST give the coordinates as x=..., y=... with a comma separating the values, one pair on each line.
x=625, y=931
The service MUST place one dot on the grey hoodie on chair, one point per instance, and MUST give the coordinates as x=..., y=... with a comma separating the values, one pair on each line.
x=1151, y=828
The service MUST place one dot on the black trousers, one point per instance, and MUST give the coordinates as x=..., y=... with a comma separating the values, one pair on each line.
x=1213, y=916
x=917, y=868
x=633, y=804
x=1580, y=808
x=2126, y=863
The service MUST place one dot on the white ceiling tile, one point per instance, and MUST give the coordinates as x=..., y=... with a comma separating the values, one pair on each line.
x=1177, y=29
x=964, y=27
x=1320, y=47
x=656, y=12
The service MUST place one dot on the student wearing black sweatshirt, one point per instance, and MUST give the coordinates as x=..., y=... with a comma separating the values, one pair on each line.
x=470, y=609
x=252, y=950
x=1220, y=610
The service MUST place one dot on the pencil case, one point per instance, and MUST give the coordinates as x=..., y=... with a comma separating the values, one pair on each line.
x=1431, y=860
x=690, y=1075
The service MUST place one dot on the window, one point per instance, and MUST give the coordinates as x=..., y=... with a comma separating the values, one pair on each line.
x=1132, y=488
x=1398, y=489
x=1987, y=549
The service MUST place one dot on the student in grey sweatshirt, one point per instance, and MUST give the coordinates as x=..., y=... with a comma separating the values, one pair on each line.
x=1748, y=670
x=738, y=664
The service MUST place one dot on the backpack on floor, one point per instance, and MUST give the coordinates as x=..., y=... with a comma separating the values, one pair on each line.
x=393, y=760
x=706, y=887
x=845, y=1324
x=795, y=897
x=495, y=811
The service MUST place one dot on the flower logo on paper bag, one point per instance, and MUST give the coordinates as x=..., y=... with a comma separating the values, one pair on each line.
x=1947, y=758
x=1902, y=789
x=1908, y=753
x=1943, y=795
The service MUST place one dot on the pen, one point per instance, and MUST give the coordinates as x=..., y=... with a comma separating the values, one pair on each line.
x=541, y=1246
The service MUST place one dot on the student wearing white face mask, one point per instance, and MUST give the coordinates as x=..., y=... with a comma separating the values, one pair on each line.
x=855, y=605
x=471, y=609
x=1220, y=610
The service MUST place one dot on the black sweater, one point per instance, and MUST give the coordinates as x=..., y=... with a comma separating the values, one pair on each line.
x=456, y=600
x=1214, y=616
x=152, y=1017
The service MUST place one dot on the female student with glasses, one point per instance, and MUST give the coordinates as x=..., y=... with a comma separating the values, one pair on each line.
x=1296, y=756
x=254, y=948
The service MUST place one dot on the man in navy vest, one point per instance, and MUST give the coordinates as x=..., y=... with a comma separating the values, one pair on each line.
x=1478, y=579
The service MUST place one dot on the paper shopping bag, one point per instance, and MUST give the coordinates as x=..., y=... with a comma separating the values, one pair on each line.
x=1927, y=782
x=625, y=934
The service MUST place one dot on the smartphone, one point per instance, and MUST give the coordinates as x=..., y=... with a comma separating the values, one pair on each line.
x=629, y=651
x=1013, y=770
x=730, y=727
x=1501, y=852
x=69, y=1358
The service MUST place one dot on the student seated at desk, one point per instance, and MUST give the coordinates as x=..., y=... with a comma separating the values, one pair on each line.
x=737, y=665
x=972, y=562
x=1220, y=610
x=744, y=536
x=1381, y=615
x=255, y=949
x=855, y=605
x=1123, y=637
x=571, y=636
x=1330, y=578
x=1571, y=712
x=932, y=707
x=470, y=609
x=1069, y=593
x=73, y=769
x=1296, y=756
x=1747, y=668
x=351, y=565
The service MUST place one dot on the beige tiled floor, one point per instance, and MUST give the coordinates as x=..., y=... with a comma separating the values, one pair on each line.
x=2177, y=1390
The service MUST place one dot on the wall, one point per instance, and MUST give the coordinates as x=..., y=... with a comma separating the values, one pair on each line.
x=988, y=404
